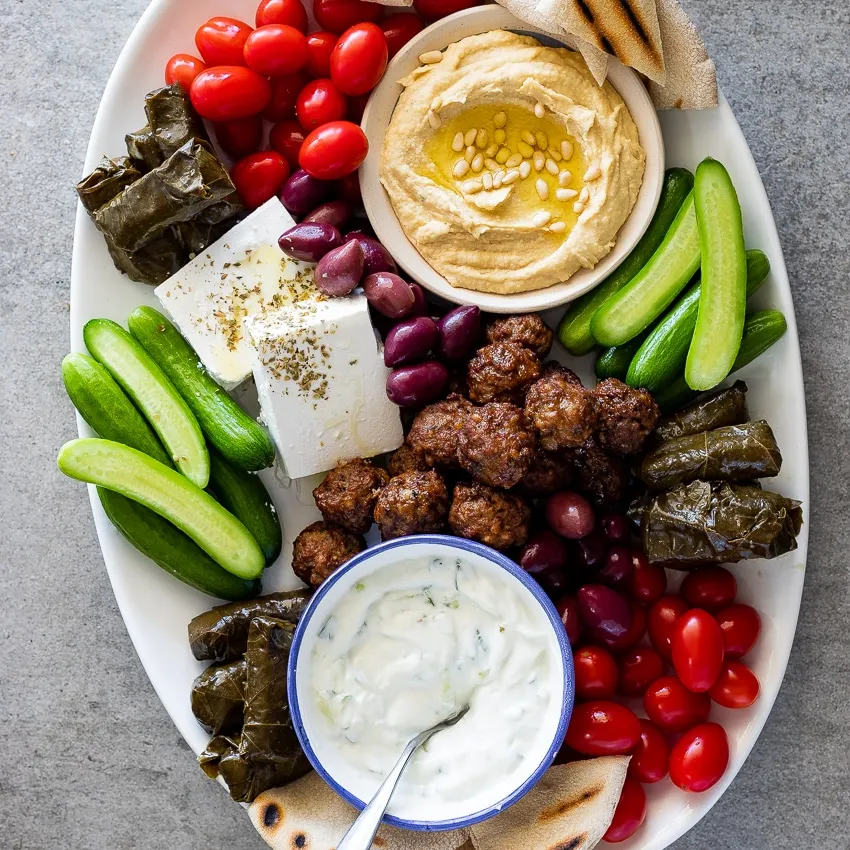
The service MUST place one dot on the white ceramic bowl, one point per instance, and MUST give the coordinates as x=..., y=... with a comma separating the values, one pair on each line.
x=377, y=116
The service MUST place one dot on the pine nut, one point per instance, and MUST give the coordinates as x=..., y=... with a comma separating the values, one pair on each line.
x=542, y=189
x=491, y=164
x=477, y=162
x=565, y=194
x=578, y=207
x=539, y=110
x=500, y=119
x=472, y=186
x=499, y=137
x=554, y=154
x=504, y=155
x=540, y=219
x=457, y=143
x=511, y=177
x=592, y=173
x=584, y=196
x=525, y=149
x=524, y=169
x=481, y=139
x=551, y=166
x=491, y=151
x=469, y=138
x=431, y=57
x=469, y=154
x=461, y=168
x=558, y=226
x=513, y=160
x=539, y=160
x=564, y=178
x=542, y=140
x=487, y=180
x=527, y=136
x=434, y=120
x=566, y=149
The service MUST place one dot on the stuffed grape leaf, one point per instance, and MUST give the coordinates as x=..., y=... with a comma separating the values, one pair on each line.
x=727, y=407
x=109, y=179
x=218, y=697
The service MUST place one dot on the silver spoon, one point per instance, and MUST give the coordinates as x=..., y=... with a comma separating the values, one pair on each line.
x=361, y=833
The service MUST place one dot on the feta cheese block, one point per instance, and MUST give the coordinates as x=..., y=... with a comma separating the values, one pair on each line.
x=242, y=274
x=321, y=382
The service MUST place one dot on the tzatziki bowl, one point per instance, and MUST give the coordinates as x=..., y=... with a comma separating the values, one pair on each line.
x=401, y=637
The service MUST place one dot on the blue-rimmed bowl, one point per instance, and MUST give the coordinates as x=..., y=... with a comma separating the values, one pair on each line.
x=312, y=733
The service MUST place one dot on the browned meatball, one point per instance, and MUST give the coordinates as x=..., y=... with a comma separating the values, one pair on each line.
x=603, y=476
x=348, y=493
x=625, y=416
x=548, y=472
x=406, y=459
x=501, y=372
x=412, y=503
x=434, y=431
x=528, y=330
x=497, y=444
x=322, y=548
x=489, y=516
x=561, y=410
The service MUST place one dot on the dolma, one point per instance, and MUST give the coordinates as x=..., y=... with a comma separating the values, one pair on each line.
x=152, y=263
x=109, y=178
x=218, y=747
x=221, y=634
x=246, y=780
x=727, y=407
x=218, y=697
x=144, y=150
x=172, y=120
x=714, y=522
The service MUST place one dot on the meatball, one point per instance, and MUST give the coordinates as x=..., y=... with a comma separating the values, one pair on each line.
x=529, y=330
x=348, y=493
x=625, y=416
x=497, y=444
x=412, y=503
x=434, y=431
x=321, y=548
x=561, y=410
x=548, y=472
x=501, y=372
x=406, y=459
x=602, y=476
x=489, y=516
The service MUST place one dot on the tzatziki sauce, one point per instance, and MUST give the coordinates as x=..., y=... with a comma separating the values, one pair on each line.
x=408, y=646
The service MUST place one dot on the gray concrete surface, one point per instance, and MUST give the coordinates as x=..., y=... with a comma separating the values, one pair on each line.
x=89, y=757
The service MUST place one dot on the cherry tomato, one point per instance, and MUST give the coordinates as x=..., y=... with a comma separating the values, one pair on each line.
x=431, y=10
x=241, y=136
x=359, y=59
x=710, y=588
x=651, y=758
x=338, y=15
x=276, y=50
x=220, y=41
x=285, y=91
x=638, y=669
x=595, y=673
x=699, y=758
x=319, y=102
x=629, y=814
x=736, y=686
x=399, y=29
x=259, y=176
x=602, y=728
x=670, y=705
x=333, y=150
x=228, y=92
x=661, y=620
x=320, y=45
x=697, y=650
x=648, y=581
x=286, y=137
x=740, y=626
x=631, y=637
x=183, y=68
x=289, y=12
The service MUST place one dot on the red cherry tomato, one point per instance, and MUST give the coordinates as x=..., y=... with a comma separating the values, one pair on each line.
x=740, y=626
x=602, y=728
x=183, y=68
x=359, y=59
x=631, y=637
x=259, y=176
x=639, y=668
x=699, y=758
x=220, y=41
x=736, y=686
x=670, y=705
x=228, y=92
x=285, y=91
x=651, y=758
x=697, y=650
x=338, y=15
x=595, y=673
x=320, y=45
x=319, y=102
x=629, y=814
x=241, y=136
x=431, y=10
x=661, y=620
x=333, y=150
x=710, y=588
x=289, y=12
x=648, y=581
x=276, y=50
x=399, y=29
x=286, y=138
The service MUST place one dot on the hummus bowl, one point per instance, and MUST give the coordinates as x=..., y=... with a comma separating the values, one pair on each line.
x=496, y=250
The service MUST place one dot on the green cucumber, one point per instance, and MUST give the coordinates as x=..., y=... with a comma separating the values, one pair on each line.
x=661, y=358
x=614, y=362
x=133, y=474
x=648, y=294
x=244, y=495
x=106, y=408
x=154, y=395
x=574, y=329
x=238, y=438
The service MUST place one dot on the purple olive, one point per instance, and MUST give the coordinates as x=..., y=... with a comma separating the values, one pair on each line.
x=340, y=270
x=415, y=386
x=604, y=611
x=302, y=193
x=410, y=340
x=568, y=609
x=544, y=551
x=309, y=241
x=570, y=514
x=335, y=213
x=378, y=258
x=388, y=293
x=618, y=567
x=460, y=330
x=591, y=551
x=616, y=527
x=420, y=305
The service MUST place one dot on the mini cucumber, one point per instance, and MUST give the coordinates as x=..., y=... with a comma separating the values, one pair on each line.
x=574, y=329
x=648, y=294
x=133, y=474
x=723, y=289
x=154, y=395
x=614, y=362
x=238, y=438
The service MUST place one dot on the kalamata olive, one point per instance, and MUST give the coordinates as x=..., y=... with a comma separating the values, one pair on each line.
x=377, y=257
x=335, y=213
x=604, y=610
x=410, y=340
x=544, y=550
x=568, y=609
x=570, y=514
x=420, y=305
x=618, y=567
x=340, y=270
x=414, y=386
x=616, y=527
x=302, y=193
x=460, y=330
x=310, y=241
x=591, y=551
x=554, y=581
x=389, y=294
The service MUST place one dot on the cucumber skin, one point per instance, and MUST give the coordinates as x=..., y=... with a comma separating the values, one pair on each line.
x=244, y=495
x=613, y=362
x=237, y=437
x=574, y=329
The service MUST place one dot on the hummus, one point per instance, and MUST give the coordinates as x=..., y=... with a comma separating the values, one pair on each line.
x=507, y=166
